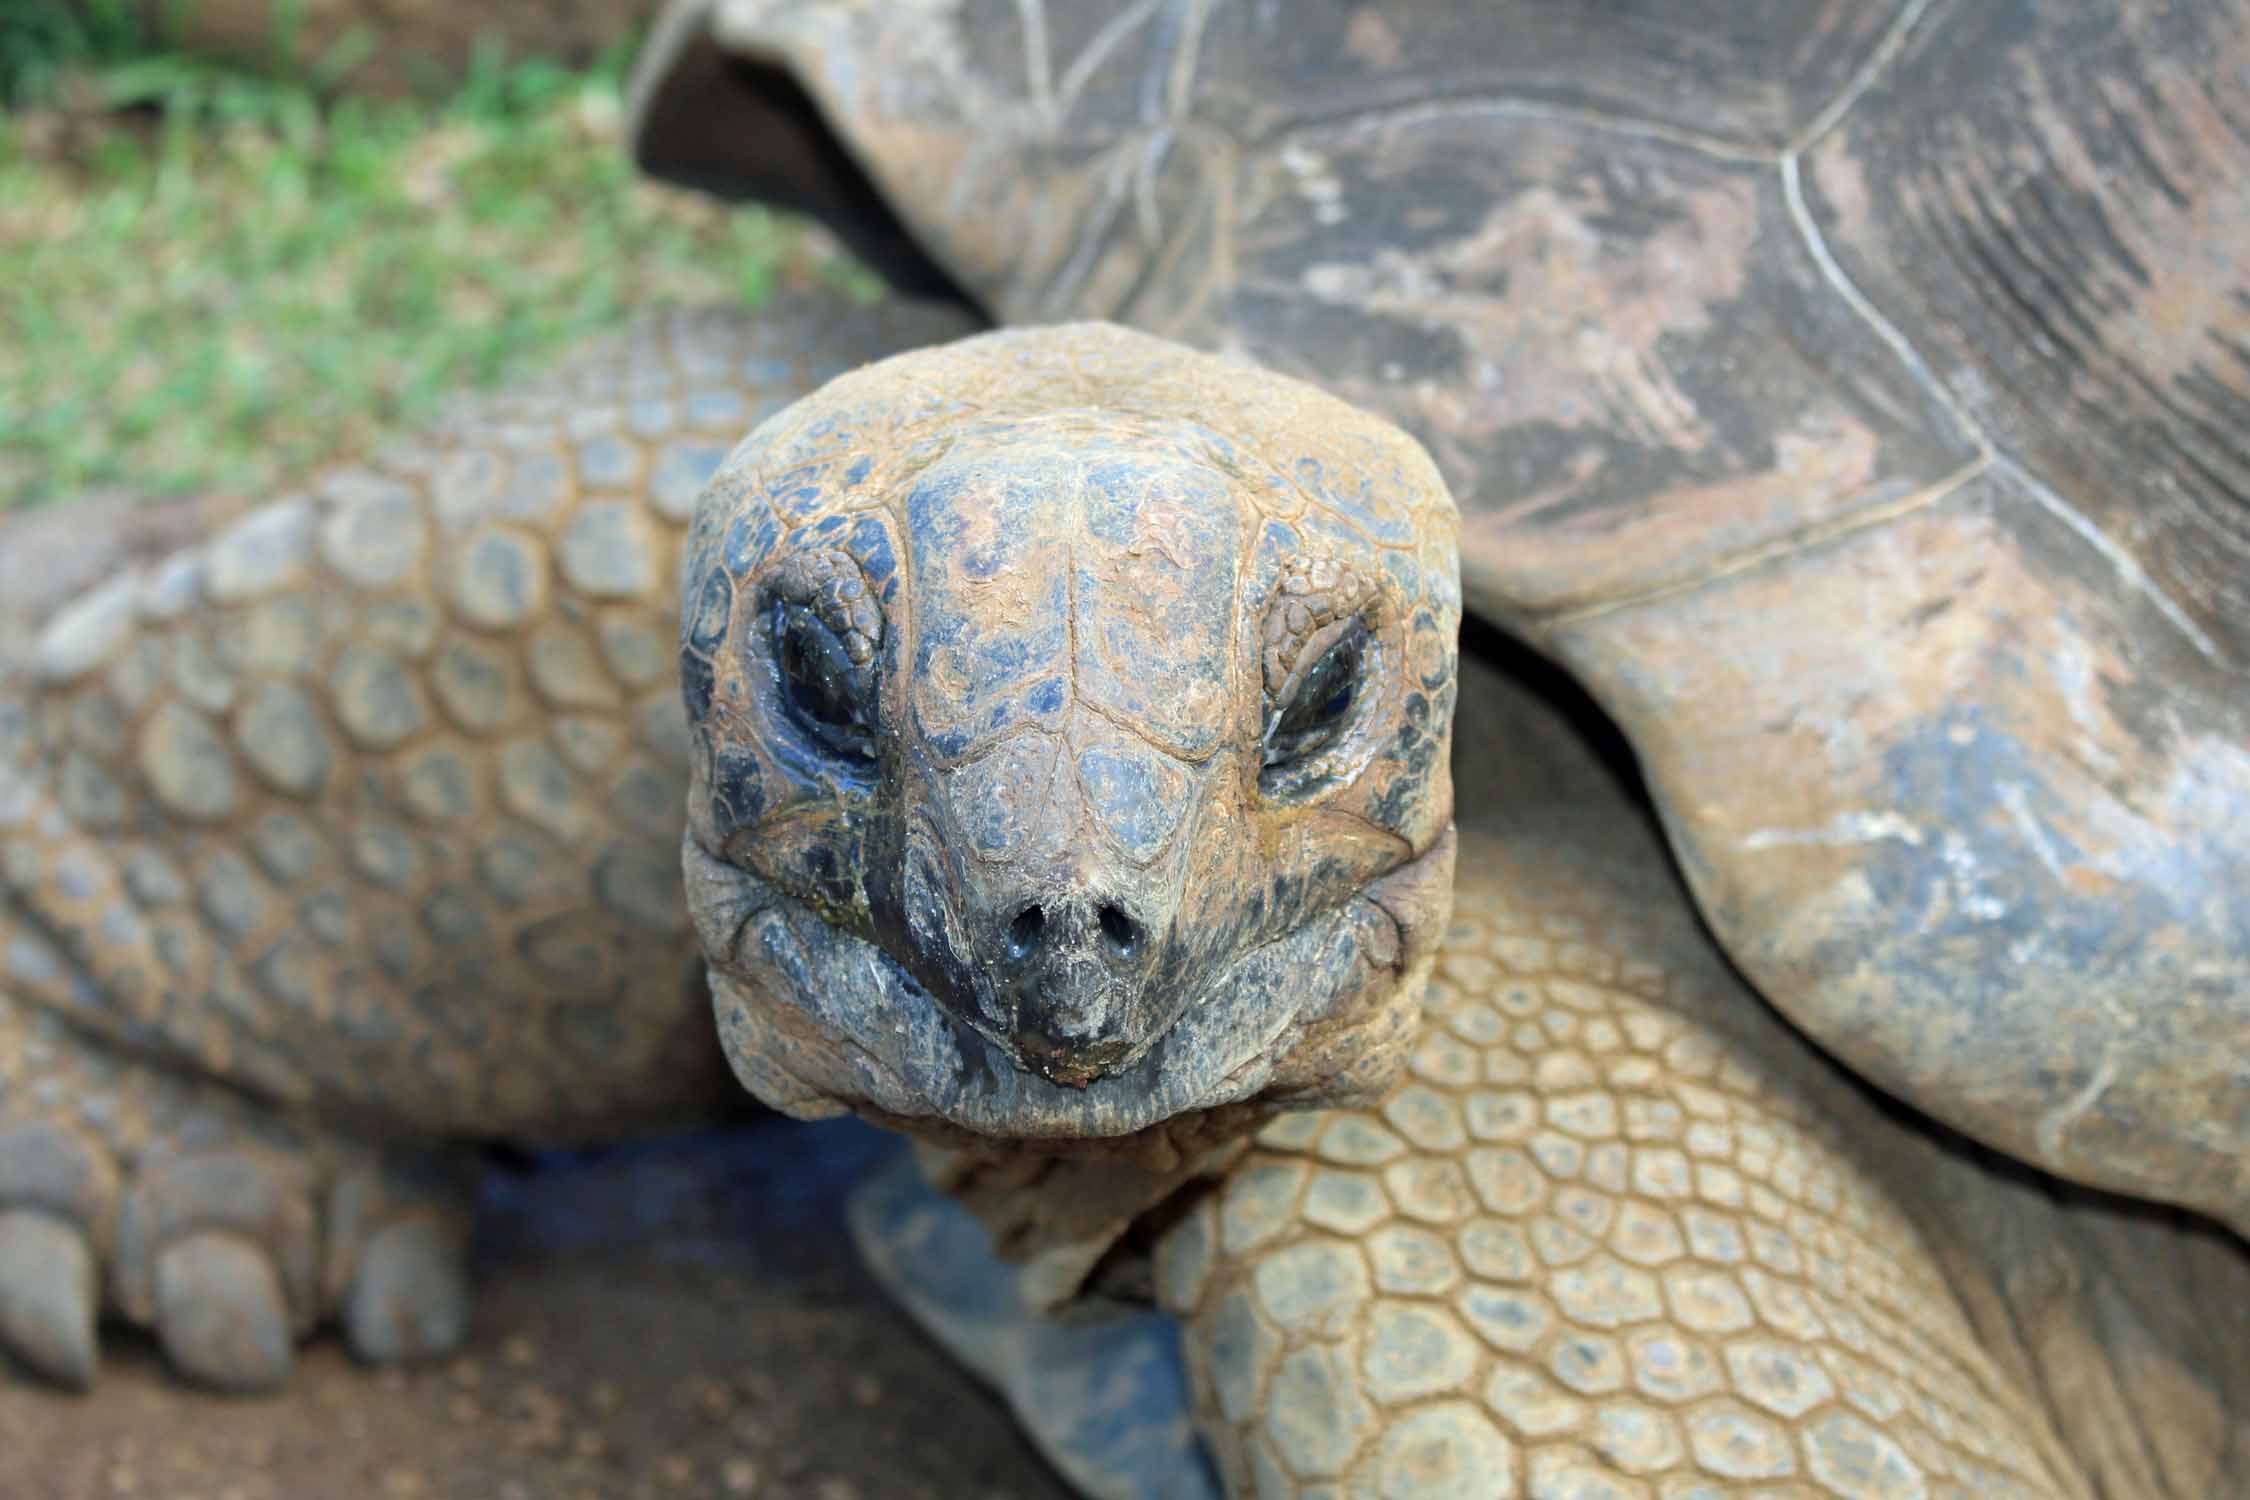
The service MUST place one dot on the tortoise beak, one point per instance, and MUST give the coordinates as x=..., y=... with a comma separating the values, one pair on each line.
x=1071, y=1068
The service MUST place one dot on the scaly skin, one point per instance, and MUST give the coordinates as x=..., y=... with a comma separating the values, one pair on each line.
x=1618, y=1236
x=360, y=824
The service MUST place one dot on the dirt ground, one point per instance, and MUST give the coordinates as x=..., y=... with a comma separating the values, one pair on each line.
x=679, y=1319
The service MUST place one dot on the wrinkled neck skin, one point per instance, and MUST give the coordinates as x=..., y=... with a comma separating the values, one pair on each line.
x=1056, y=798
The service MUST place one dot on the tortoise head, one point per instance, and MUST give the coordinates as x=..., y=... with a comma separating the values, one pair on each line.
x=1070, y=717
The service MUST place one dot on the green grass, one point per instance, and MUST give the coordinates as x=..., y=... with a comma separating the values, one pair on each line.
x=211, y=281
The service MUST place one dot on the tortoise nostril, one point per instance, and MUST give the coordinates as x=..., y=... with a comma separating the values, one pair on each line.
x=1121, y=932
x=1025, y=931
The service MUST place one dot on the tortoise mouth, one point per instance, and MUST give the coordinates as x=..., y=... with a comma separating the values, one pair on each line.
x=818, y=1021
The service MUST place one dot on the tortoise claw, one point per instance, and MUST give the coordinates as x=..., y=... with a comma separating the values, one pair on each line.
x=220, y=1312
x=409, y=1299
x=47, y=1287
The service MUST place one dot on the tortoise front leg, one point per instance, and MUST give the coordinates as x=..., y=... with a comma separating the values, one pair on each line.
x=1619, y=1235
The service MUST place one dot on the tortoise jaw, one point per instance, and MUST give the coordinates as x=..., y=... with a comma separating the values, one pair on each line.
x=818, y=1021
x=1078, y=1025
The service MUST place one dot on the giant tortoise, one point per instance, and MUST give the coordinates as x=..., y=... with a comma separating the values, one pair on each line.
x=1906, y=575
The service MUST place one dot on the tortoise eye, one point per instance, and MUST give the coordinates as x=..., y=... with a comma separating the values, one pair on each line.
x=1319, y=641
x=826, y=630
x=1315, y=714
x=827, y=694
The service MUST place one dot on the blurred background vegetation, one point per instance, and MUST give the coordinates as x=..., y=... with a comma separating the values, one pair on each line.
x=218, y=271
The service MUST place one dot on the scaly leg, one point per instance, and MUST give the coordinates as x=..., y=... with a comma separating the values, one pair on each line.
x=1619, y=1235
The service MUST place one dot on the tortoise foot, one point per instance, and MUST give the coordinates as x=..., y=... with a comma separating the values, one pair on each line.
x=228, y=1231
x=1106, y=1401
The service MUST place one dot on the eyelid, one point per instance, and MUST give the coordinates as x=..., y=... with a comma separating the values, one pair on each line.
x=830, y=582
x=819, y=649
x=827, y=694
x=1330, y=677
x=1316, y=648
x=1349, y=637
